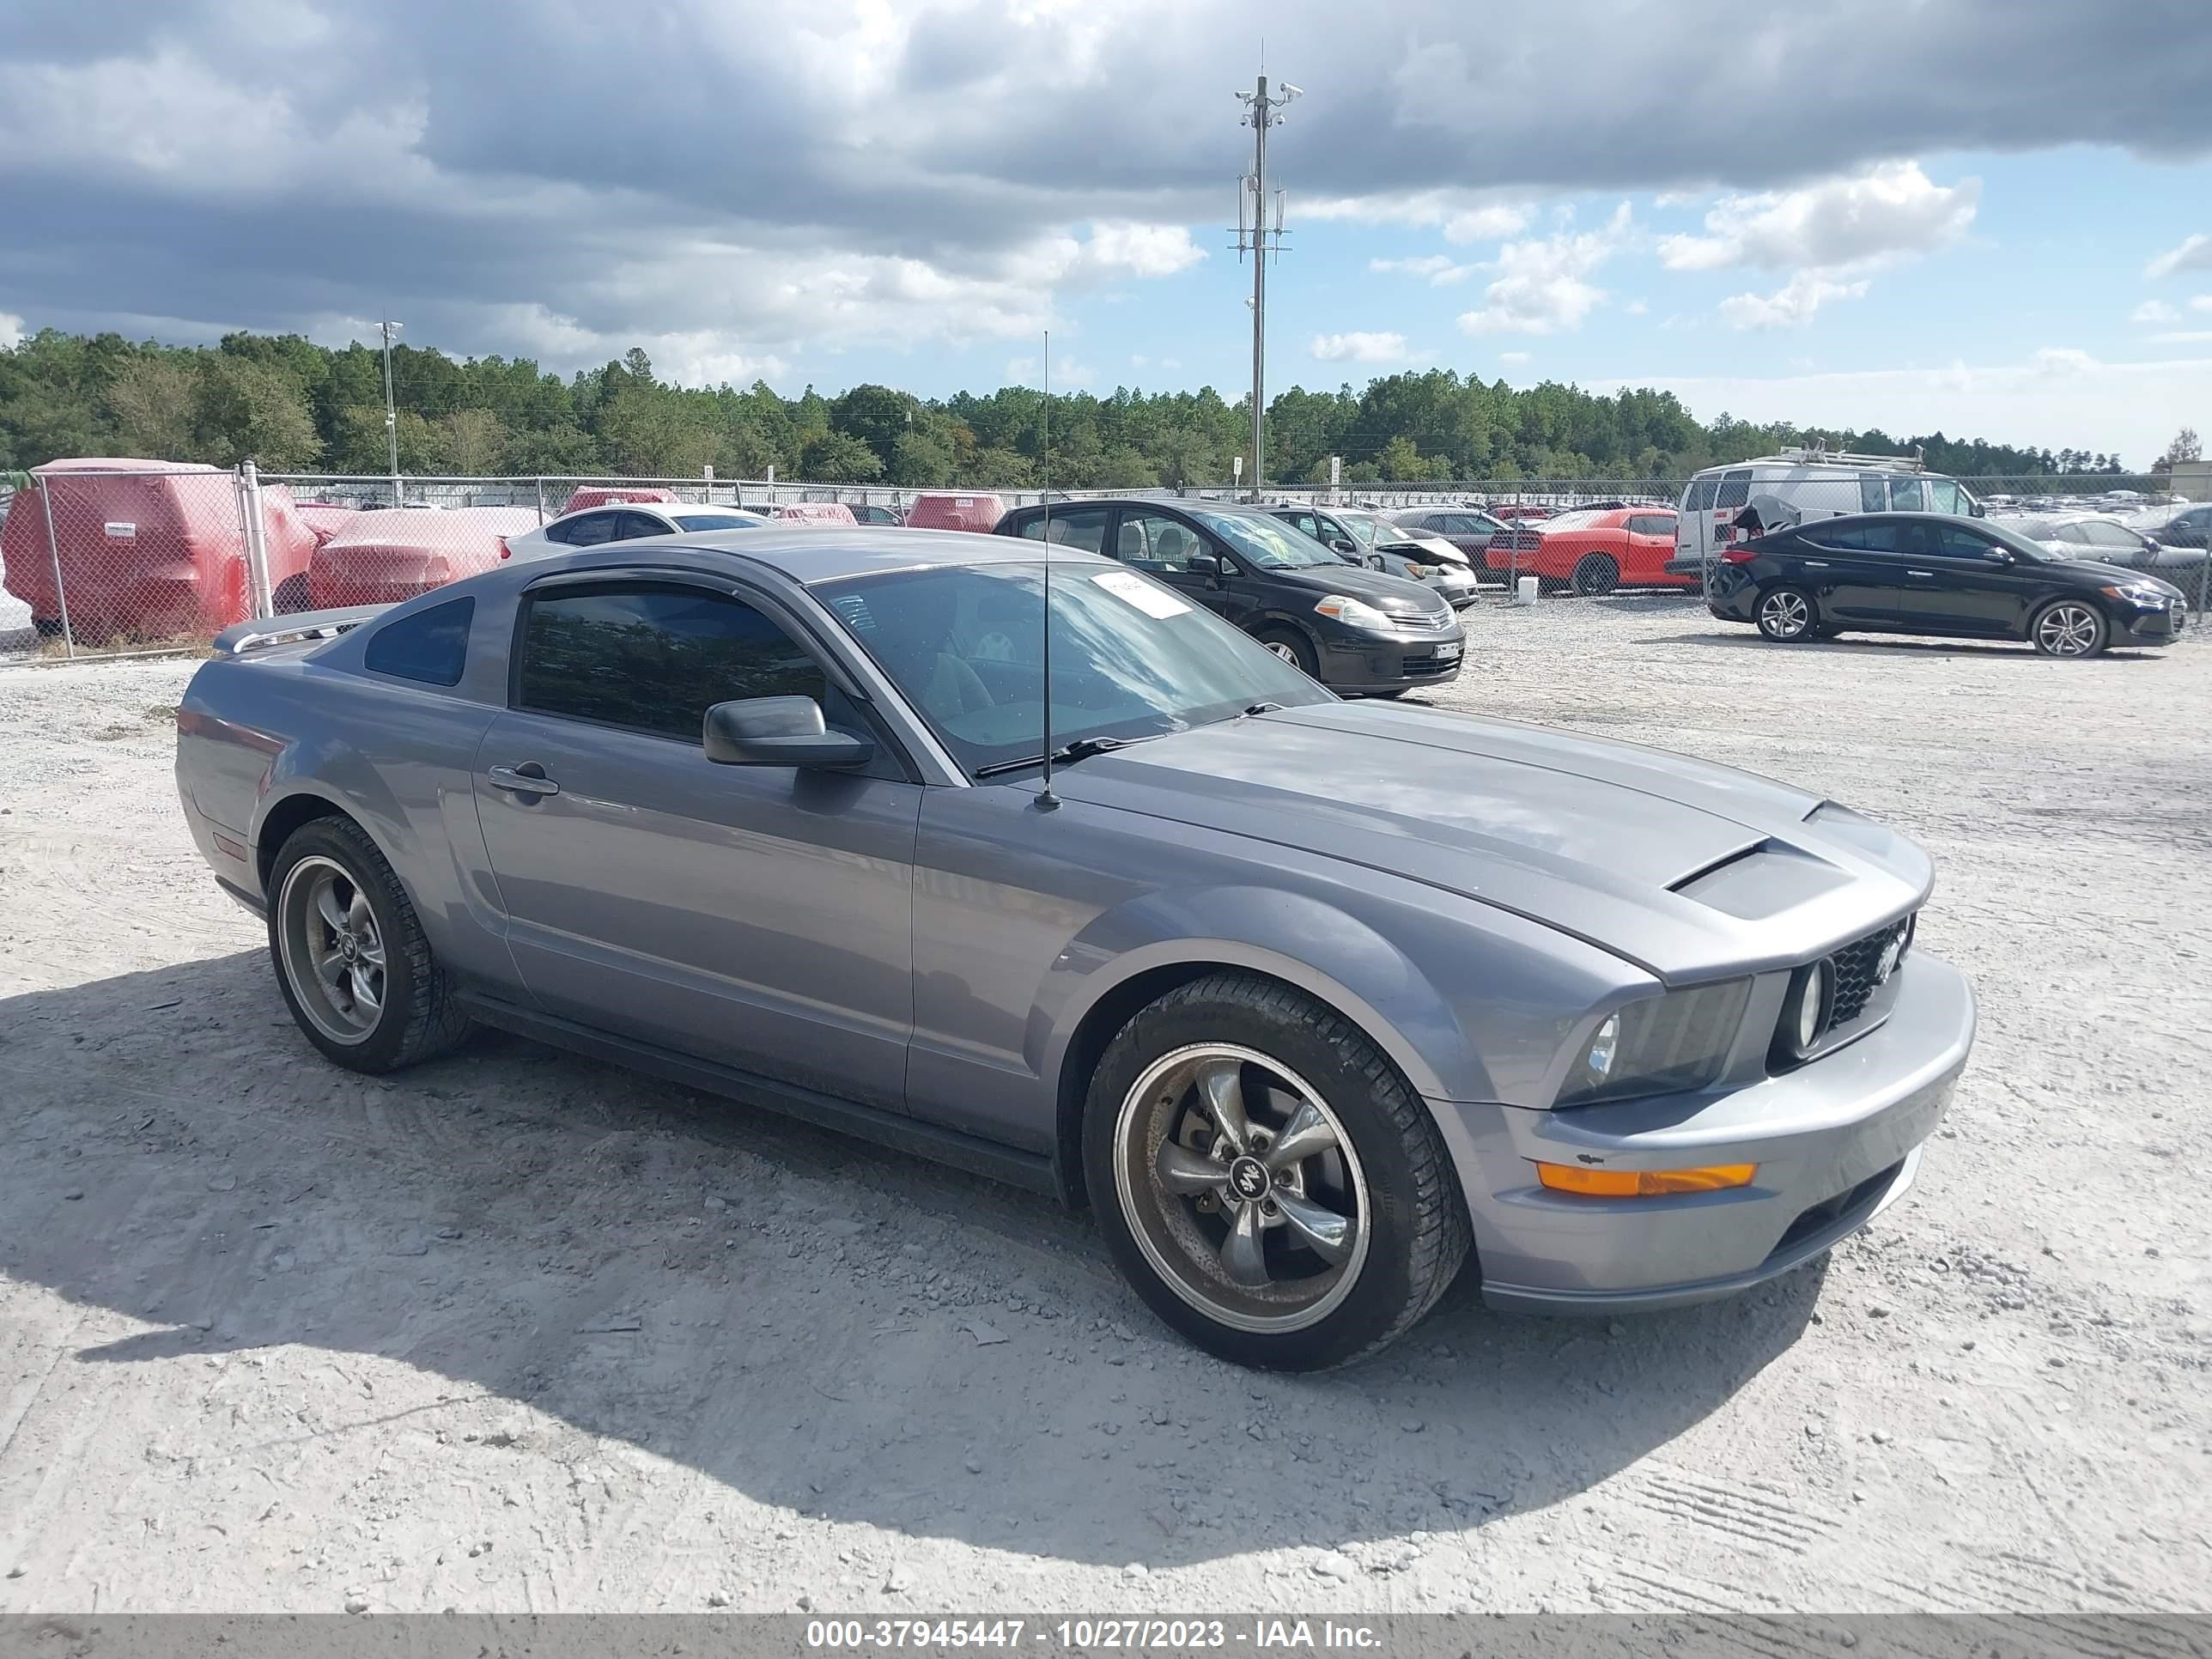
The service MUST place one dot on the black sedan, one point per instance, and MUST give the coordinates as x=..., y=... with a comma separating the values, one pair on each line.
x=1928, y=572
x=1359, y=632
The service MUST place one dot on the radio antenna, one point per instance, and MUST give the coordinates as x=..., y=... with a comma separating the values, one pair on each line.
x=1047, y=801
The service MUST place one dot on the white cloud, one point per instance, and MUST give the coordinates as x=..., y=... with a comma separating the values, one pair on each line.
x=2155, y=311
x=1514, y=359
x=1065, y=372
x=11, y=331
x=1462, y=217
x=2202, y=302
x=1438, y=268
x=1791, y=306
x=1884, y=212
x=1358, y=348
x=1141, y=250
x=1637, y=308
x=2057, y=397
x=2194, y=253
x=1542, y=286
x=2185, y=336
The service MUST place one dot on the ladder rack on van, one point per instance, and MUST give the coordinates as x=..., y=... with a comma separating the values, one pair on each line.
x=1803, y=456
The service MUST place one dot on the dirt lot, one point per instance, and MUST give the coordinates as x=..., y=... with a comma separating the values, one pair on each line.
x=517, y=1332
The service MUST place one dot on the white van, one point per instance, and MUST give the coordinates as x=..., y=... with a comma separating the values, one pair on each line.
x=1796, y=484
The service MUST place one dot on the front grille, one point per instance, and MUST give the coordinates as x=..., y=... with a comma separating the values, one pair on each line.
x=1856, y=965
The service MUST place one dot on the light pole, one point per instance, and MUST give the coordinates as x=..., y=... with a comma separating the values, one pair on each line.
x=1260, y=232
x=390, y=415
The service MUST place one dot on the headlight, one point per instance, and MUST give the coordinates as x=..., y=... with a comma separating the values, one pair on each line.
x=1418, y=571
x=2142, y=594
x=1353, y=613
x=1658, y=1046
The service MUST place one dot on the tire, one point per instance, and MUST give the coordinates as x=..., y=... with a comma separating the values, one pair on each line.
x=2069, y=627
x=378, y=951
x=1596, y=575
x=1352, y=1242
x=47, y=627
x=1292, y=647
x=1787, y=614
x=291, y=596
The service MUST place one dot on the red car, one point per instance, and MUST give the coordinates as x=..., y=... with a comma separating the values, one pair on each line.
x=973, y=510
x=398, y=552
x=147, y=550
x=1593, y=550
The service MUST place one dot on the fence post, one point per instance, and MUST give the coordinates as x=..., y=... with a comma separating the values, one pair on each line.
x=541, y=504
x=54, y=552
x=257, y=544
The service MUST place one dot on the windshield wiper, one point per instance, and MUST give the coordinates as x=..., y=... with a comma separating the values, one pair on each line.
x=1081, y=749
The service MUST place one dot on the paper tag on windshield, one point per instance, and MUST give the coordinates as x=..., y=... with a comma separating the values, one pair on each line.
x=1153, y=601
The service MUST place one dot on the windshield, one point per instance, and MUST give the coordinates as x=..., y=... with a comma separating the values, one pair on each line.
x=1266, y=542
x=1131, y=658
x=1366, y=526
x=717, y=521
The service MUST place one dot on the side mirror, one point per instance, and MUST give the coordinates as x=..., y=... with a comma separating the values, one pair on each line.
x=1997, y=555
x=1217, y=569
x=1344, y=544
x=780, y=731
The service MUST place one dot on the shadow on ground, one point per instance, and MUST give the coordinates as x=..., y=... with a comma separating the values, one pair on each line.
x=808, y=1321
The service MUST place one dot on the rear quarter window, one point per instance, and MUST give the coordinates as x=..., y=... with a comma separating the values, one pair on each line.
x=431, y=646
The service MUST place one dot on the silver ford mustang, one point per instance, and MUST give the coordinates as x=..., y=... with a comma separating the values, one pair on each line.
x=1310, y=1000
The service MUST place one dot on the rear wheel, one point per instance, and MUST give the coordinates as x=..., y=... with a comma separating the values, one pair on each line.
x=1596, y=574
x=291, y=596
x=1786, y=615
x=351, y=959
x=2069, y=627
x=1267, y=1181
x=1291, y=646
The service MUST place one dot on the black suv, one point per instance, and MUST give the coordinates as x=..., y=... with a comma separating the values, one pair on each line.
x=1929, y=573
x=1356, y=631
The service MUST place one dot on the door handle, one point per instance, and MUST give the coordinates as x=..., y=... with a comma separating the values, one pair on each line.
x=1816, y=564
x=529, y=779
x=1920, y=572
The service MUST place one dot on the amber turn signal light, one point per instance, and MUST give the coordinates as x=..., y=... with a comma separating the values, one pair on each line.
x=1643, y=1183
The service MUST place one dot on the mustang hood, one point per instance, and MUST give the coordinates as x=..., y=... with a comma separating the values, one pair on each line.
x=1691, y=871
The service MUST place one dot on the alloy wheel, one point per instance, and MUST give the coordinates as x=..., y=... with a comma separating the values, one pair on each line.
x=1786, y=615
x=1241, y=1188
x=1281, y=648
x=2068, y=629
x=333, y=952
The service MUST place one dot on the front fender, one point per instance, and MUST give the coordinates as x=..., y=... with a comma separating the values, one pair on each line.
x=1303, y=941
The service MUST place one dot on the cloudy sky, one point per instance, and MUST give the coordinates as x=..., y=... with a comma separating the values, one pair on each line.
x=1938, y=213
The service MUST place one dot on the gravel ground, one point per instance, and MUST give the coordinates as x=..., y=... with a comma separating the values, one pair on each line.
x=516, y=1332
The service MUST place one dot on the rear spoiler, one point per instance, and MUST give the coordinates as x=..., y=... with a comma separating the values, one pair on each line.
x=241, y=637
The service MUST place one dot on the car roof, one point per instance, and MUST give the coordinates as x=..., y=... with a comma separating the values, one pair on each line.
x=834, y=552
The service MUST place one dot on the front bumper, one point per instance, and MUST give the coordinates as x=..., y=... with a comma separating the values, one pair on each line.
x=1371, y=662
x=1837, y=1141
x=2144, y=626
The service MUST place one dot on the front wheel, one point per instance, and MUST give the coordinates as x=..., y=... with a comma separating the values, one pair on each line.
x=1266, y=1180
x=1292, y=647
x=2069, y=627
x=1596, y=575
x=1786, y=615
x=351, y=959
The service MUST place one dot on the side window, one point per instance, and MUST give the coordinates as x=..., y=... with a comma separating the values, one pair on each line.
x=1954, y=543
x=1907, y=496
x=1849, y=538
x=591, y=529
x=1734, y=490
x=1310, y=525
x=1874, y=496
x=562, y=531
x=2069, y=533
x=1946, y=496
x=431, y=646
x=653, y=658
x=1083, y=527
x=1152, y=541
x=628, y=526
x=1651, y=524
x=1880, y=536
x=1701, y=495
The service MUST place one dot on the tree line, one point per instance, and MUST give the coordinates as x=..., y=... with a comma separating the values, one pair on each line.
x=290, y=405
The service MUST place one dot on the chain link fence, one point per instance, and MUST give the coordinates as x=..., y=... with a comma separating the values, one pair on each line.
x=101, y=558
